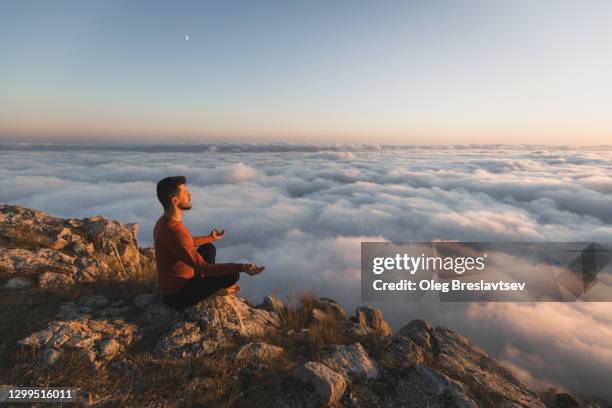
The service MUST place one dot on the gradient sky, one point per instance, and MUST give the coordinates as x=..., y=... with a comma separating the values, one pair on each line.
x=364, y=72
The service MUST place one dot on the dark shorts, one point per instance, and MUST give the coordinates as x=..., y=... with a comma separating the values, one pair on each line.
x=198, y=287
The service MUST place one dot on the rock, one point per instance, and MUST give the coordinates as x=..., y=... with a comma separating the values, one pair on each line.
x=424, y=387
x=158, y=311
x=330, y=306
x=272, y=303
x=148, y=252
x=299, y=334
x=16, y=284
x=372, y=319
x=115, y=311
x=182, y=340
x=73, y=310
x=82, y=249
x=154, y=309
x=91, y=306
x=98, y=341
x=355, y=330
x=458, y=359
x=352, y=361
x=442, y=386
x=200, y=383
x=115, y=240
x=108, y=348
x=418, y=331
x=328, y=384
x=20, y=226
x=231, y=316
x=25, y=261
x=94, y=301
x=405, y=353
x=213, y=323
x=141, y=301
x=562, y=400
x=53, y=280
x=147, y=258
x=257, y=353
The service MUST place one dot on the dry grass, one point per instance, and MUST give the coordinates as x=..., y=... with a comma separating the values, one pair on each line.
x=298, y=315
x=298, y=311
x=138, y=379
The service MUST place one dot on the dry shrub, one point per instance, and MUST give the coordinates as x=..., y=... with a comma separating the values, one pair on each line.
x=299, y=310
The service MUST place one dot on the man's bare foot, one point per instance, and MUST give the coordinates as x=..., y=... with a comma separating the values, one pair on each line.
x=228, y=291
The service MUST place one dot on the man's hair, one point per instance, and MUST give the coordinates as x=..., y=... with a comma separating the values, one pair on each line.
x=168, y=188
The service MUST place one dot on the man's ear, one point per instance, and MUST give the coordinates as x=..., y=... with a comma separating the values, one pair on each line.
x=174, y=201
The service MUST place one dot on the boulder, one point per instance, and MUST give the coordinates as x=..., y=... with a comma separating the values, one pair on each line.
x=215, y=322
x=330, y=306
x=258, y=353
x=418, y=331
x=184, y=339
x=115, y=240
x=16, y=284
x=153, y=308
x=371, y=319
x=55, y=280
x=92, y=306
x=34, y=242
x=230, y=316
x=98, y=341
x=352, y=361
x=328, y=384
x=405, y=353
x=27, y=228
x=272, y=303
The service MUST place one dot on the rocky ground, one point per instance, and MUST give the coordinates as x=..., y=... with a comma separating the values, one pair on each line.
x=79, y=309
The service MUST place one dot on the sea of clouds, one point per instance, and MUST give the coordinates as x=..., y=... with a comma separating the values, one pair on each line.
x=303, y=210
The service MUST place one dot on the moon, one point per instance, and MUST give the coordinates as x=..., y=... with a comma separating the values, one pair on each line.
x=186, y=38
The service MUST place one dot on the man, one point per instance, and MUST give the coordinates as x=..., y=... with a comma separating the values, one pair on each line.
x=187, y=275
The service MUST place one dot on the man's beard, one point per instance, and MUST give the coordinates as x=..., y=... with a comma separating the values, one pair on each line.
x=186, y=207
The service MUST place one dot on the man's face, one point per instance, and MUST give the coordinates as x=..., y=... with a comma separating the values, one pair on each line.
x=183, y=198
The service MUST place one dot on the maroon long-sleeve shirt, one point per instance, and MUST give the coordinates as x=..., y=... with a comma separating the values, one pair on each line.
x=177, y=258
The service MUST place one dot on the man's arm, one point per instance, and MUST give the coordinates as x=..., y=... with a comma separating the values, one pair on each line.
x=181, y=245
x=205, y=239
x=202, y=239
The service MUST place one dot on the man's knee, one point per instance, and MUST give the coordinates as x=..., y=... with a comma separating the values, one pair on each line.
x=208, y=252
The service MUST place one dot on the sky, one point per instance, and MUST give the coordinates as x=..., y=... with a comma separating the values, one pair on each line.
x=303, y=210
x=394, y=72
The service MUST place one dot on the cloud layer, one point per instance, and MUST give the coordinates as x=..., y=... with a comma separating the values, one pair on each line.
x=302, y=210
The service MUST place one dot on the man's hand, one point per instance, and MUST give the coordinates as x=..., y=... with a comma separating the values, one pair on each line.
x=216, y=234
x=253, y=269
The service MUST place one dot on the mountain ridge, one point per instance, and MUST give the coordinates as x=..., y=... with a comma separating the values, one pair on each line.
x=101, y=315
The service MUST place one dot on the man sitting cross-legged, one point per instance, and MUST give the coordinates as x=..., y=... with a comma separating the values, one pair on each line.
x=186, y=268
